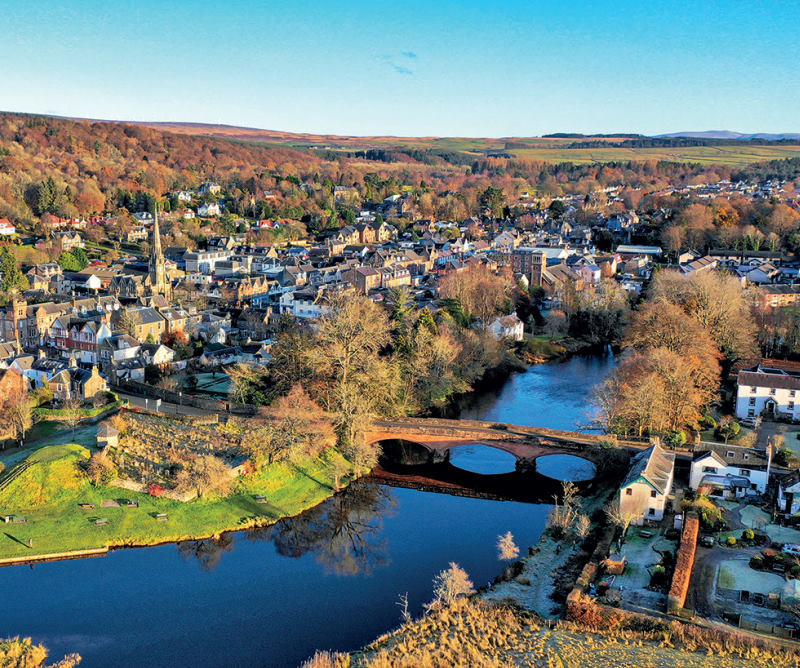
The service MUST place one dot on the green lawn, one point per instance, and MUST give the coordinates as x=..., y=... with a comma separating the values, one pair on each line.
x=49, y=492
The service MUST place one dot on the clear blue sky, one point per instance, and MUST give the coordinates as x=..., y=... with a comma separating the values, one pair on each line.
x=436, y=67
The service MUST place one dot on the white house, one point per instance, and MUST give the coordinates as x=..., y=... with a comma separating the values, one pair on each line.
x=729, y=471
x=645, y=489
x=6, y=227
x=507, y=327
x=210, y=209
x=771, y=388
x=204, y=262
x=788, y=502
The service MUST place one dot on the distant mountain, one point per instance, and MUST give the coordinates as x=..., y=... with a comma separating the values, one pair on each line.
x=729, y=134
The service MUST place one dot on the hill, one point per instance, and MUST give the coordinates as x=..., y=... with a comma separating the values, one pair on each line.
x=70, y=167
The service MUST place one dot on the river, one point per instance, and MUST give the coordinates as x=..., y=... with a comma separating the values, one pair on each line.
x=328, y=579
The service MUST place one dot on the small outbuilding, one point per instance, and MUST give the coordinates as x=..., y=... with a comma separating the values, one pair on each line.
x=107, y=436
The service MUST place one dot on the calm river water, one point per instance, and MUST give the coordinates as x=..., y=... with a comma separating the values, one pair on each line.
x=328, y=579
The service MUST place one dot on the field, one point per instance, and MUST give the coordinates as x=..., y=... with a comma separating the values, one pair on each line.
x=48, y=493
x=545, y=149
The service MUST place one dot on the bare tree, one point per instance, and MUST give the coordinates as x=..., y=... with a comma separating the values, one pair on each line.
x=618, y=517
x=71, y=412
x=506, y=547
x=582, y=527
x=449, y=584
x=206, y=474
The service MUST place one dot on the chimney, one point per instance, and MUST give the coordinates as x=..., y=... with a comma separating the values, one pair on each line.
x=73, y=363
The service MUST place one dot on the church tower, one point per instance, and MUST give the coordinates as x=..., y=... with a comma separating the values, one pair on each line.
x=159, y=284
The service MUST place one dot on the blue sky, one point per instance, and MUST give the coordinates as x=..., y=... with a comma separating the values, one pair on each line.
x=409, y=68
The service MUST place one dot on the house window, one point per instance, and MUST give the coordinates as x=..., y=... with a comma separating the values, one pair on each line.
x=651, y=511
x=752, y=390
x=730, y=454
x=772, y=391
x=652, y=494
x=751, y=413
x=744, y=472
x=746, y=455
x=792, y=393
x=791, y=405
x=752, y=401
x=629, y=492
x=709, y=469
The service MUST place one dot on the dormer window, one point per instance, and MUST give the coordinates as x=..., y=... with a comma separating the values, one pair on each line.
x=746, y=456
x=730, y=454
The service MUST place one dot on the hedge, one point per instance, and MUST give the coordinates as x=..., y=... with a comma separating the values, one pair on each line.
x=55, y=413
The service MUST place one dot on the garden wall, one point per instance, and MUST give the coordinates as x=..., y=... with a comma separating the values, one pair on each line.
x=144, y=390
x=684, y=564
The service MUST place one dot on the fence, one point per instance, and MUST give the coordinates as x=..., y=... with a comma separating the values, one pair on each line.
x=144, y=390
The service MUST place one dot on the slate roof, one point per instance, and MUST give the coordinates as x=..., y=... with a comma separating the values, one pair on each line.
x=732, y=455
x=654, y=466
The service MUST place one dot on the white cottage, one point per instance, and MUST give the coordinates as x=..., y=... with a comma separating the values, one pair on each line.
x=729, y=471
x=648, y=484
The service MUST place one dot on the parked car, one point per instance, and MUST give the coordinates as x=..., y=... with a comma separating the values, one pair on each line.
x=707, y=541
x=791, y=548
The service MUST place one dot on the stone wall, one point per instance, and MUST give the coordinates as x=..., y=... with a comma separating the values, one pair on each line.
x=684, y=564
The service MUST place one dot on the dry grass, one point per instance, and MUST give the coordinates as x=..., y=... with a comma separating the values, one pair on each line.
x=473, y=632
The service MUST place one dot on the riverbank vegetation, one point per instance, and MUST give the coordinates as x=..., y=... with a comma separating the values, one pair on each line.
x=472, y=632
x=16, y=653
x=681, y=339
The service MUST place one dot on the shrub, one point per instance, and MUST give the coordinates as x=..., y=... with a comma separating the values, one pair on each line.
x=757, y=562
x=748, y=534
x=731, y=541
x=155, y=490
x=675, y=438
x=708, y=422
x=783, y=456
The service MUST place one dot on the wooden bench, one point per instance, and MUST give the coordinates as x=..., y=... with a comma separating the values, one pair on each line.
x=260, y=498
x=14, y=519
x=102, y=521
x=162, y=517
x=87, y=506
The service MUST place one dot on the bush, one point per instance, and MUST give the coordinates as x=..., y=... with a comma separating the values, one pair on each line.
x=674, y=438
x=708, y=422
x=731, y=541
x=748, y=535
x=757, y=562
x=783, y=456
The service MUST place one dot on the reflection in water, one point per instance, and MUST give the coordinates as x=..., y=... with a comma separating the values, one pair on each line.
x=566, y=467
x=208, y=552
x=344, y=532
x=478, y=458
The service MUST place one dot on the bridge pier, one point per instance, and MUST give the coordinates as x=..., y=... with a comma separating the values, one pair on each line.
x=525, y=465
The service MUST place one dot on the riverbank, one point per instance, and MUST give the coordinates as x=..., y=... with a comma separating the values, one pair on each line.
x=58, y=510
x=477, y=633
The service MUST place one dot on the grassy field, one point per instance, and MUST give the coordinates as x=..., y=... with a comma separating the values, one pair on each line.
x=48, y=494
x=547, y=149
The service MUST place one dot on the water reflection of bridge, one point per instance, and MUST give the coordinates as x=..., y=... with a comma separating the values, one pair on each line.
x=444, y=478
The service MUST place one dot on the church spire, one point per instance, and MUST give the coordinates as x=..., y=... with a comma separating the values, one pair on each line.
x=159, y=285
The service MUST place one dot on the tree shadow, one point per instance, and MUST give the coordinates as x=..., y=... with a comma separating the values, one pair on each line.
x=15, y=539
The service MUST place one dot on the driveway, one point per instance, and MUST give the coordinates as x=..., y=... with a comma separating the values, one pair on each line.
x=702, y=586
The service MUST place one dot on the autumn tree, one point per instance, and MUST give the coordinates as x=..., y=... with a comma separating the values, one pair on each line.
x=205, y=474
x=352, y=379
x=717, y=301
x=16, y=414
x=481, y=292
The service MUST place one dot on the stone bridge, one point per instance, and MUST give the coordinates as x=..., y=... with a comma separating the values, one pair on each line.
x=439, y=436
